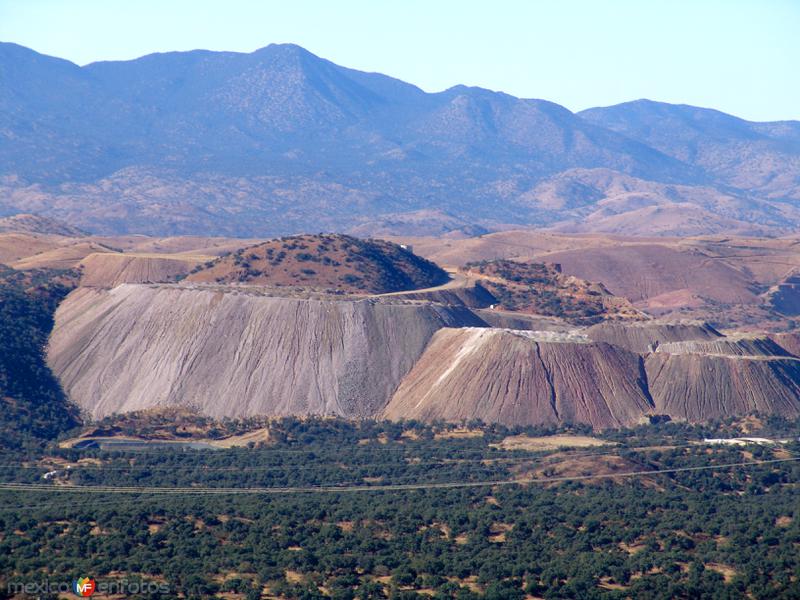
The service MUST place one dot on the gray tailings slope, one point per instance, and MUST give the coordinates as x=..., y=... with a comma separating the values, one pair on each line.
x=237, y=353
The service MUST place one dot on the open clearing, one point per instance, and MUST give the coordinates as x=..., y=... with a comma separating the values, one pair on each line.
x=550, y=442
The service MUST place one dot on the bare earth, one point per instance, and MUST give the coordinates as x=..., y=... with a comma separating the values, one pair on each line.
x=550, y=442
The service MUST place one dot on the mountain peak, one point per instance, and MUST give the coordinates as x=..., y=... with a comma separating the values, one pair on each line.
x=279, y=138
x=285, y=49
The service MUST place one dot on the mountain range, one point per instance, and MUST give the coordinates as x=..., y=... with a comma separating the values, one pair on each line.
x=281, y=141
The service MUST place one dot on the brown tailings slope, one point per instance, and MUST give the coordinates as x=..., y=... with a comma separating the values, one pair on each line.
x=470, y=295
x=789, y=341
x=734, y=345
x=522, y=378
x=697, y=387
x=641, y=336
x=235, y=352
x=110, y=269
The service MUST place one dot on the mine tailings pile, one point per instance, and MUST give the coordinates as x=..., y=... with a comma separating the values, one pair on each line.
x=231, y=351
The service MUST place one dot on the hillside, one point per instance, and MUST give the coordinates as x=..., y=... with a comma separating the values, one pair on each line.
x=643, y=337
x=109, y=269
x=541, y=289
x=33, y=407
x=233, y=352
x=280, y=141
x=38, y=224
x=731, y=282
x=327, y=261
x=758, y=156
x=16, y=246
x=701, y=387
x=522, y=378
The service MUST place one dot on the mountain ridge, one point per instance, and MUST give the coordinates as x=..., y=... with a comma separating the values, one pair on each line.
x=264, y=143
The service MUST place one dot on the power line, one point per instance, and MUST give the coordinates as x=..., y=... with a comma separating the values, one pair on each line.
x=445, y=463
x=210, y=491
x=409, y=461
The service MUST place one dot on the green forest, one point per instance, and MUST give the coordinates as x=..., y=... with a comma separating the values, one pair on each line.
x=33, y=408
x=720, y=531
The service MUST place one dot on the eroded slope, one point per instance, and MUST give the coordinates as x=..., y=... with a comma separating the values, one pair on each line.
x=522, y=378
x=237, y=353
x=702, y=387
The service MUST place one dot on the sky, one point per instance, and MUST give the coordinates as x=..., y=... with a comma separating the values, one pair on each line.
x=739, y=56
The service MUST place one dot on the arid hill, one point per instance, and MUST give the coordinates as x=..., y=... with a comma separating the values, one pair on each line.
x=17, y=246
x=63, y=256
x=732, y=282
x=522, y=378
x=420, y=222
x=607, y=201
x=326, y=261
x=237, y=352
x=647, y=273
x=541, y=289
x=330, y=324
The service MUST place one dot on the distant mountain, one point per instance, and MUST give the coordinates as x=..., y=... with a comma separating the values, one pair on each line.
x=759, y=157
x=281, y=141
x=38, y=224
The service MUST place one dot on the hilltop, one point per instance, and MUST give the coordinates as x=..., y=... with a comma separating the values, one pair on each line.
x=541, y=289
x=324, y=261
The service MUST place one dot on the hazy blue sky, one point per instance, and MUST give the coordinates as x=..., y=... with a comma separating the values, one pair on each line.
x=740, y=56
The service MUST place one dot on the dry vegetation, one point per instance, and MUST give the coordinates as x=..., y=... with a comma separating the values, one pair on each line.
x=541, y=289
x=550, y=442
x=329, y=261
x=726, y=280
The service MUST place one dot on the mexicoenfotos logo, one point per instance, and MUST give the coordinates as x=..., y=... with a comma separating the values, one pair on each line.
x=83, y=586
